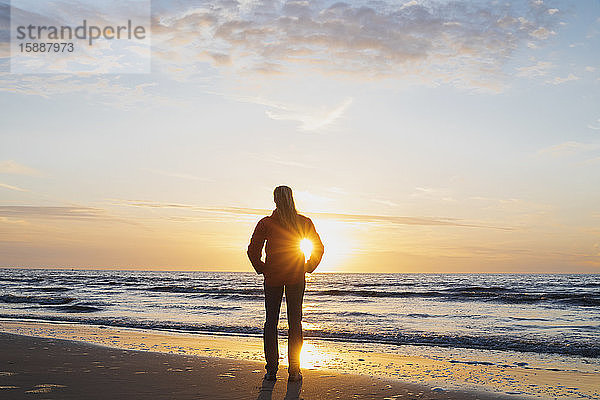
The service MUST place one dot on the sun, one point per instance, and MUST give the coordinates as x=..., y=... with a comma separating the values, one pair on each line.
x=306, y=246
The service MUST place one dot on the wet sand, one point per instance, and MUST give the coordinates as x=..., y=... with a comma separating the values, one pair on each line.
x=332, y=370
x=46, y=368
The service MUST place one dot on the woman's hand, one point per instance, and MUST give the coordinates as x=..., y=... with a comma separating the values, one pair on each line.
x=308, y=266
x=260, y=268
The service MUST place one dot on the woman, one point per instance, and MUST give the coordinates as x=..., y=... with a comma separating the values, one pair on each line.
x=283, y=270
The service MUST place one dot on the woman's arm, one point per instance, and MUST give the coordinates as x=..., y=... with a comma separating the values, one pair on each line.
x=256, y=245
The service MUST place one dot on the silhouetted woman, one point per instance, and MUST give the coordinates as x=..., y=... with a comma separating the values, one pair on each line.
x=283, y=270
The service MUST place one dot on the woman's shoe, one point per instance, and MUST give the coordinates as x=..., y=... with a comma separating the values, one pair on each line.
x=295, y=376
x=271, y=376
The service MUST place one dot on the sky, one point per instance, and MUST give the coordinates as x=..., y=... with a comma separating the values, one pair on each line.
x=419, y=136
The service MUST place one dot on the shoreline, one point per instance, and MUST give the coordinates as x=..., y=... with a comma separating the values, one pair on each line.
x=467, y=375
x=69, y=369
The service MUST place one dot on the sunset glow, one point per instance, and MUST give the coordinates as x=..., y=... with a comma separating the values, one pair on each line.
x=468, y=145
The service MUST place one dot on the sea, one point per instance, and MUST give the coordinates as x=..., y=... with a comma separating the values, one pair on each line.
x=551, y=315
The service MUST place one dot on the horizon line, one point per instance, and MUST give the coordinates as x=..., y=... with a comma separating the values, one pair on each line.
x=316, y=272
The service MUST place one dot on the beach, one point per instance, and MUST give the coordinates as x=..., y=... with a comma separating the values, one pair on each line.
x=404, y=193
x=46, y=368
x=521, y=336
x=81, y=361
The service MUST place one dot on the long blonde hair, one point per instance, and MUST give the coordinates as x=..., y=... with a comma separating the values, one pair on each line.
x=286, y=208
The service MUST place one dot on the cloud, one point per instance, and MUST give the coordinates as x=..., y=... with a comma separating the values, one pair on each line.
x=542, y=33
x=49, y=85
x=105, y=56
x=595, y=160
x=385, y=202
x=558, y=80
x=402, y=220
x=409, y=4
x=53, y=212
x=569, y=148
x=360, y=218
x=12, y=167
x=461, y=43
x=107, y=90
x=458, y=42
x=310, y=120
x=71, y=213
x=110, y=90
x=11, y=187
x=595, y=127
x=540, y=68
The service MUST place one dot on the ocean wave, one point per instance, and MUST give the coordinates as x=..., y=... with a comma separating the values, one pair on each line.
x=216, y=308
x=528, y=319
x=484, y=294
x=500, y=295
x=200, y=307
x=417, y=315
x=23, y=280
x=469, y=293
x=344, y=313
x=382, y=284
x=350, y=295
x=477, y=290
x=51, y=289
x=591, y=284
x=486, y=342
x=555, y=314
x=142, y=281
x=77, y=308
x=41, y=300
x=205, y=291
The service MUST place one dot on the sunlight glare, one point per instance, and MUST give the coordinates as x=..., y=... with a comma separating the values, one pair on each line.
x=339, y=244
x=311, y=357
x=306, y=247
